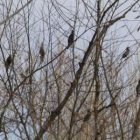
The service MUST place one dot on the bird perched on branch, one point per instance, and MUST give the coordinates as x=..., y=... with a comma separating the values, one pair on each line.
x=87, y=116
x=125, y=54
x=71, y=38
x=8, y=62
x=42, y=53
x=138, y=88
x=23, y=76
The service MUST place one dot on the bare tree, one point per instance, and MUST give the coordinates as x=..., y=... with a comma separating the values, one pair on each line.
x=66, y=71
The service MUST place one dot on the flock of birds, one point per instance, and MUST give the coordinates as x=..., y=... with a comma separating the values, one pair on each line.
x=9, y=60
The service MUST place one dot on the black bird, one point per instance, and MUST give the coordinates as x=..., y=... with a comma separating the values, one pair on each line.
x=125, y=54
x=8, y=62
x=42, y=53
x=138, y=88
x=87, y=116
x=71, y=38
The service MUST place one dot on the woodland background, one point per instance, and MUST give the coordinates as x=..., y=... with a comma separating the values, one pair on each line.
x=47, y=96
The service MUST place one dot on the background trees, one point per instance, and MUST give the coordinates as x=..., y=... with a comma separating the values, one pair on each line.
x=53, y=89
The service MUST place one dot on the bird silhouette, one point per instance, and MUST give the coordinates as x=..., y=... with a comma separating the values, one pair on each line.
x=138, y=88
x=71, y=38
x=23, y=76
x=87, y=116
x=42, y=53
x=8, y=62
x=125, y=54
